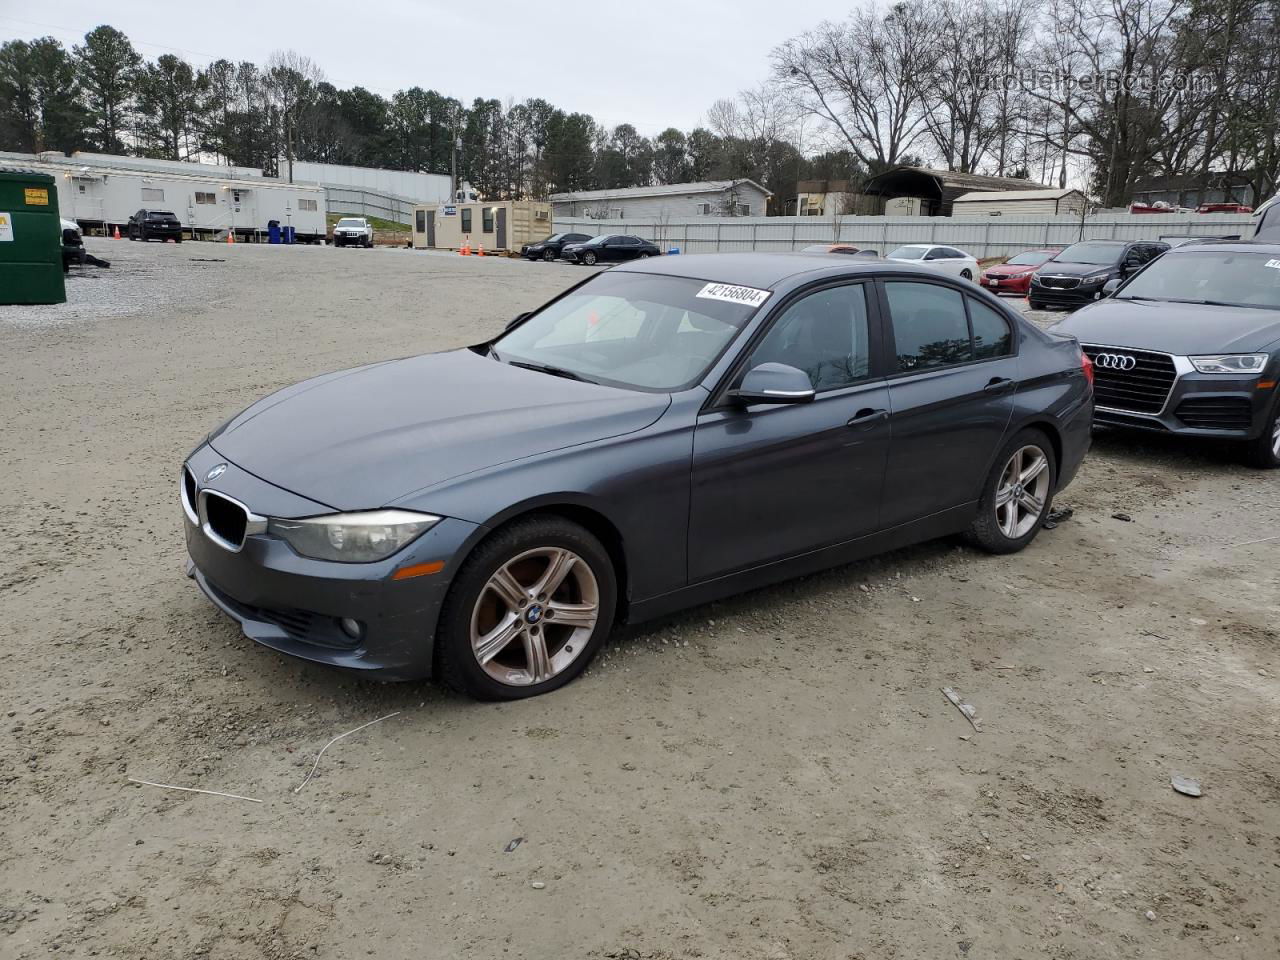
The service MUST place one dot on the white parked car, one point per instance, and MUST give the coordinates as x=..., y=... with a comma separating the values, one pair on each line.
x=947, y=259
x=353, y=231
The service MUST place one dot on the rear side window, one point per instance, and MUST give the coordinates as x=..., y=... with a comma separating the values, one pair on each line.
x=930, y=328
x=991, y=334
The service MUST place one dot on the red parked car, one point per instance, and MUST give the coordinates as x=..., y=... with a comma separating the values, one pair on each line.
x=1014, y=275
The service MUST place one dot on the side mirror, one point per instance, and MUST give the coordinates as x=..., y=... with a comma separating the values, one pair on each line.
x=517, y=320
x=1111, y=286
x=774, y=383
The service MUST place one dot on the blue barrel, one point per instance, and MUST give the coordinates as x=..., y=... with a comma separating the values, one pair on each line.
x=290, y=235
x=273, y=231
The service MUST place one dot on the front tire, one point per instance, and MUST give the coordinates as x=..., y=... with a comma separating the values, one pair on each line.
x=589, y=259
x=530, y=607
x=1264, y=451
x=1017, y=494
x=549, y=256
x=1035, y=304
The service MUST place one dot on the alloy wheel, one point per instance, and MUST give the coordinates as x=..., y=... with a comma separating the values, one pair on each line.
x=1022, y=491
x=535, y=616
x=1275, y=438
x=548, y=255
x=589, y=259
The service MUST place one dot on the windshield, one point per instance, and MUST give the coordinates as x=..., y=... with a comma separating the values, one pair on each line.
x=908, y=253
x=630, y=330
x=1234, y=279
x=1028, y=259
x=348, y=222
x=1103, y=254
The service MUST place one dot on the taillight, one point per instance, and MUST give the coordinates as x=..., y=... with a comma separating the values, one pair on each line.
x=1087, y=366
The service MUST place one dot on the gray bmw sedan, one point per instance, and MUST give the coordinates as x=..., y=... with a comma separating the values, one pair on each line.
x=660, y=435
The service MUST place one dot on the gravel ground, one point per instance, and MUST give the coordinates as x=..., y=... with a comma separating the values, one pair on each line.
x=776, y=776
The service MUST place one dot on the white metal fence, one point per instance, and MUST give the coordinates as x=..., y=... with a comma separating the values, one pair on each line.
x=358, y=202
x=981, y=236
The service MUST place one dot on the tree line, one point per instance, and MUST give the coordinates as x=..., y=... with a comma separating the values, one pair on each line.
x=1118, y=90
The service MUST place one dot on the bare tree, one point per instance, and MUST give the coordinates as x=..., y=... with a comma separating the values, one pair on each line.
x=866, y=78
x=291, y=80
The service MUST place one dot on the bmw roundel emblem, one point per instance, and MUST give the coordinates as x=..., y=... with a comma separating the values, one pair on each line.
x=215, y=473
x=534, y=613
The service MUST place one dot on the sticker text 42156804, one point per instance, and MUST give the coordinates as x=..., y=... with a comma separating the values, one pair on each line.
x=747, y=296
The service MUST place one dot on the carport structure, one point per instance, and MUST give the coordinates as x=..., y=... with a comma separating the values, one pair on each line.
x=938, y=189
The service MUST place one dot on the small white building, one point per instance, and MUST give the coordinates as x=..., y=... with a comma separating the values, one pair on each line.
x=1032, y=203
x=710, y=198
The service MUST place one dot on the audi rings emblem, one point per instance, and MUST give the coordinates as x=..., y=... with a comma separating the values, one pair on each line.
x=1115, y=361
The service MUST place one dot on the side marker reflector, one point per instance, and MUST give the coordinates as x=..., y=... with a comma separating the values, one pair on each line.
x=418, y=570
x=1266, y=384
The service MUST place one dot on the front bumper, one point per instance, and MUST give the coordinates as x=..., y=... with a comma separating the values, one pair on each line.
x=294, y=604
x=1202, y=405
x=341, y=240
x=1018, y=285
x=1057, y=297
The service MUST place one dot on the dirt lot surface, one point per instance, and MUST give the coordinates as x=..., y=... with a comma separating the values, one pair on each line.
x=777, y=776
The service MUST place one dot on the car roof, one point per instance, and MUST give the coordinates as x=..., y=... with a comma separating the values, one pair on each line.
x=1226, y=246
x=767, y=271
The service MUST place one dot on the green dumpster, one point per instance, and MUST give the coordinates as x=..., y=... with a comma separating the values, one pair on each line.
x=30, y=239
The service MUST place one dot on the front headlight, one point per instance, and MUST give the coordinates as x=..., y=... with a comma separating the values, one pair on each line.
x=353, y=537
x=1092, y=280
x=1231, y=363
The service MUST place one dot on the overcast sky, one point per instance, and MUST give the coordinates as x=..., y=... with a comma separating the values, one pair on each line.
x=654, y=64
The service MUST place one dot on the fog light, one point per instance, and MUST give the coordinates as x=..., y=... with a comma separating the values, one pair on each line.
x=351, y=627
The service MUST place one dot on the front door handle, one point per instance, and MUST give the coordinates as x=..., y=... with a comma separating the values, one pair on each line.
x=866, y=416
x=998, y=385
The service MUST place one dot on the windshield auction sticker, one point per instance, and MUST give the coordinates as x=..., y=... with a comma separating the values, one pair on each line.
x=6, y=228
x=747, y=296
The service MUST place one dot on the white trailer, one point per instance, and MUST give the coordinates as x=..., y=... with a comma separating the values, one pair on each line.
x=101, y=193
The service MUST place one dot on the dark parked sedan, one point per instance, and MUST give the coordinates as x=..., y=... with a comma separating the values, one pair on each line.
x=549, y=249
x=154, y=225
x=610, y=248
x=1077, y=275
x=1191, y=345
x=659, y=436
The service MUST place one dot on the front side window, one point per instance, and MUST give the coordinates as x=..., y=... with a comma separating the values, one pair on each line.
x=629, y=330
x=825, y=335
x=930, y=328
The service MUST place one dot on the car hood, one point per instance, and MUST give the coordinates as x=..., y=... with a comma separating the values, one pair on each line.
x=1055, y=269
x=363, y=438
x=1185, y=329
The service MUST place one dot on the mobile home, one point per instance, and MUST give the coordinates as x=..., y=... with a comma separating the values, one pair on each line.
x=500, y=227
x=102, y=192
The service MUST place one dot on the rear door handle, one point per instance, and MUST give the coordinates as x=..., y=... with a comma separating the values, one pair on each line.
x=866, y=416
x=998, y=385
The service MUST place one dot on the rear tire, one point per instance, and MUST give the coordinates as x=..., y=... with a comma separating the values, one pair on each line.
x=1263, y=452
x=1017, y=494
x=491, y=647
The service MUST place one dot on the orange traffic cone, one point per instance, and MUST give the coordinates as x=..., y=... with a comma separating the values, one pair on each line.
x=116, y=235
x=231, y=236
x=480, y=252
